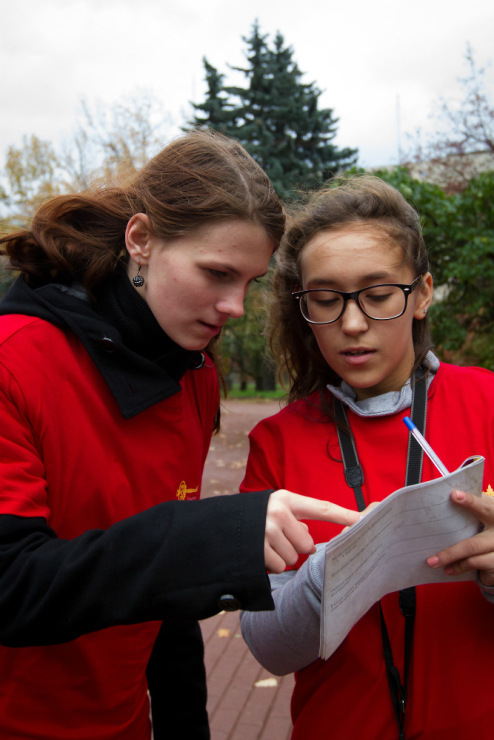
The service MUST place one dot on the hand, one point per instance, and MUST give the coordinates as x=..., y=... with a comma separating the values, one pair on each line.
x=286, y=537
x=363, y=513
x=474, y=553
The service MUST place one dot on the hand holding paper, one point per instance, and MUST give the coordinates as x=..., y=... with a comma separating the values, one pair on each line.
x=475, y=553
x=387, y=549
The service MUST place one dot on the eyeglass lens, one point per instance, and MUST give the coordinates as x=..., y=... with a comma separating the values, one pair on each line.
x=378, y=302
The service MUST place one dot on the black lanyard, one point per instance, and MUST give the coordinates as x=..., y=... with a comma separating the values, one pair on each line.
x=354, y=476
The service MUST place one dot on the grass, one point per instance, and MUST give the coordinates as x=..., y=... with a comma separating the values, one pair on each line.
x=252, y=393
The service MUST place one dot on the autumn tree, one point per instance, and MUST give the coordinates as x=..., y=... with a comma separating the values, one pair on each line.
x=463, y=144
x=31, y=174
x=108, y=142
x=112, y=141
x=243, y=345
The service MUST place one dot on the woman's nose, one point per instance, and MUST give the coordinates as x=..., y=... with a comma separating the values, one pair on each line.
x=232, y=304
x=353, y=320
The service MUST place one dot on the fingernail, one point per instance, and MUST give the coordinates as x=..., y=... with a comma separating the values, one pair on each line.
x=433, y=561
x=449, y=570
x=459, y=495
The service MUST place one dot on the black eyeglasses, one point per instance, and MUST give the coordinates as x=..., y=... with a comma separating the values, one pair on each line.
x=378, y=302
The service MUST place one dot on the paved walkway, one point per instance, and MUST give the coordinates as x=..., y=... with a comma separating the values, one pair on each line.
x=245, y=702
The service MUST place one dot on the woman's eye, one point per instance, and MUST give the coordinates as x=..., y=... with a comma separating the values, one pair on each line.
x=377, y=297
x=325, y=301
x=217, y=274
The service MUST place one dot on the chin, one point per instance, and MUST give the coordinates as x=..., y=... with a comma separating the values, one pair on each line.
x=190, y=346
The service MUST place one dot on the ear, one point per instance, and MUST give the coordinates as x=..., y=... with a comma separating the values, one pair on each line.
x=137, y=238
x=425, y=291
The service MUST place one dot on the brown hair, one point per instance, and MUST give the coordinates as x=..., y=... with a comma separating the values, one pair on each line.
x=199, y=178
x=360, y=201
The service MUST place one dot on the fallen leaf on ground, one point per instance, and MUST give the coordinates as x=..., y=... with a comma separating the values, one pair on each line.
x=266, y=682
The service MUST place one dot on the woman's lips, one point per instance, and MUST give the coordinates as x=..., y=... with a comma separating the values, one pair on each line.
x=357, y=356
x=213, y=329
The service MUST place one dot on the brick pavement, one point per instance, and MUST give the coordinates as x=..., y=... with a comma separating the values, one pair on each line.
x=238, y=708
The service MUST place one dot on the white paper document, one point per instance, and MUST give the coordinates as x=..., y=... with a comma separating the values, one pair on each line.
x=386, y=550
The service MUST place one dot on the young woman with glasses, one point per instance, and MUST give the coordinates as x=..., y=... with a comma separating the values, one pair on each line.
x=109, y=396
x=349, y=326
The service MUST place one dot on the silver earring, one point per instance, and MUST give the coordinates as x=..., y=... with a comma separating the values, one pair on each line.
x=424, y=311
x=138, y=280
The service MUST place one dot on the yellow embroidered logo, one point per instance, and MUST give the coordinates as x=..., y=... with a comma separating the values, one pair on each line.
x=182, y=491
x=489, y=491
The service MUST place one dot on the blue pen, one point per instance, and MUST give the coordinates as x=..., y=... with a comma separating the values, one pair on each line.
x=426, y=446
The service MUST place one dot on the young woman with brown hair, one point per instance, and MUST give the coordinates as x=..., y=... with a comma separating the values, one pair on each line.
x=351, y=296
x=108, y=398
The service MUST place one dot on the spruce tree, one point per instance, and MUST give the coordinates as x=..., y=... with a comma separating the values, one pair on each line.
x=215, y=111
x=276, y=117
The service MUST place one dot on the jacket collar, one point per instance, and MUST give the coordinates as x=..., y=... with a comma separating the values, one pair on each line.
x=140, y=364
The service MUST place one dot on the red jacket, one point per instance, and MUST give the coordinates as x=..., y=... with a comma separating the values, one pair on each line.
x=451, y=682
x=98, y=545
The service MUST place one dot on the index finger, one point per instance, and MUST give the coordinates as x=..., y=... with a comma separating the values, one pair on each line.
x=303, y=507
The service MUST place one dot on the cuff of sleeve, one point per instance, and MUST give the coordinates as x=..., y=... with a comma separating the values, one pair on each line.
x=251, y=529
x=486, y=591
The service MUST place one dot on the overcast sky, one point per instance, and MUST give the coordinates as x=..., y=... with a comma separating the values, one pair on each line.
x=382, y=64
